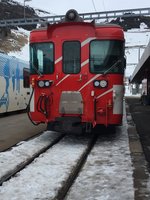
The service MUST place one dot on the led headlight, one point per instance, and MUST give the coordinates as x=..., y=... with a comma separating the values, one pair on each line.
x=41, y=84
x=103, y=83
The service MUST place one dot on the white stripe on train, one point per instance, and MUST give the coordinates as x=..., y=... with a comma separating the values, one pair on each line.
x=89, y=81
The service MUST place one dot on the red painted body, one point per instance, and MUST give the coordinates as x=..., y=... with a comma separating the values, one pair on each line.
x=98, y=103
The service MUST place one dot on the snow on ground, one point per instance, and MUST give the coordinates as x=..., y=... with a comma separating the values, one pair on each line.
x=43, y=178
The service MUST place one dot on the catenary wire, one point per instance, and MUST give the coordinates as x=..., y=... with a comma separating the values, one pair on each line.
x=94, y=5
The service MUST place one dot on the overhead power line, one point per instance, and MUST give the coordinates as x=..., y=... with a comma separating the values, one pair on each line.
x=94, y=5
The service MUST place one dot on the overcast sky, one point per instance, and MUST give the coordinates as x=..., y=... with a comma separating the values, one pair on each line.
x=82, y=6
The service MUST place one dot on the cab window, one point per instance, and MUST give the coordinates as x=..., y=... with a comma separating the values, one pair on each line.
x=42, y=58
x=107, y=56
x=71, y=57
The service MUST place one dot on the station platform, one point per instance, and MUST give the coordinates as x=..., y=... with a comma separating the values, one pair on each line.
x=141, y=118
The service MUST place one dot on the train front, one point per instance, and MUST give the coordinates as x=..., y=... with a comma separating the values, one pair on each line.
x=76, y=74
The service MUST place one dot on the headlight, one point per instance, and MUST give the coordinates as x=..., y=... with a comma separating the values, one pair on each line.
x=71, y=15
x=47, y=83
x=96, y=83
x=100, y=83
x=44, y=83
x=41, y=84
x=103, y=83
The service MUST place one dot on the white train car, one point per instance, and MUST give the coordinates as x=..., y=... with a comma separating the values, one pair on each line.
x=13, y=96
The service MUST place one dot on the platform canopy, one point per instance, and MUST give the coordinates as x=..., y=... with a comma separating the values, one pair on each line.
x=142, y=70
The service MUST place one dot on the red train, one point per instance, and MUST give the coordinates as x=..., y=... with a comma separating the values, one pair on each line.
x=76, y=72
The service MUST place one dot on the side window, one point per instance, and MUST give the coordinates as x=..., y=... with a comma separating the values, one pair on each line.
x=71, y=57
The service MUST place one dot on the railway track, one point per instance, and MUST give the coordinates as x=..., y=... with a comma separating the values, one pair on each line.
x=52, y=154
x=24, y=153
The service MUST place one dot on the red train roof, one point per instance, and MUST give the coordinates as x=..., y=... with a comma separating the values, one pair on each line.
x=72, y=30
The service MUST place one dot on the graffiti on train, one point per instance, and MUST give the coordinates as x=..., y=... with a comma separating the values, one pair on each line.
x=11, y=78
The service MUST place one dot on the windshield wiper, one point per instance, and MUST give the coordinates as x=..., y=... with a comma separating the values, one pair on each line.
x=36, y=70
x=113, y=66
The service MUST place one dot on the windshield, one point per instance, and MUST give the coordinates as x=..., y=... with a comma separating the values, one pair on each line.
x=106, y=53
x=42, y=58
